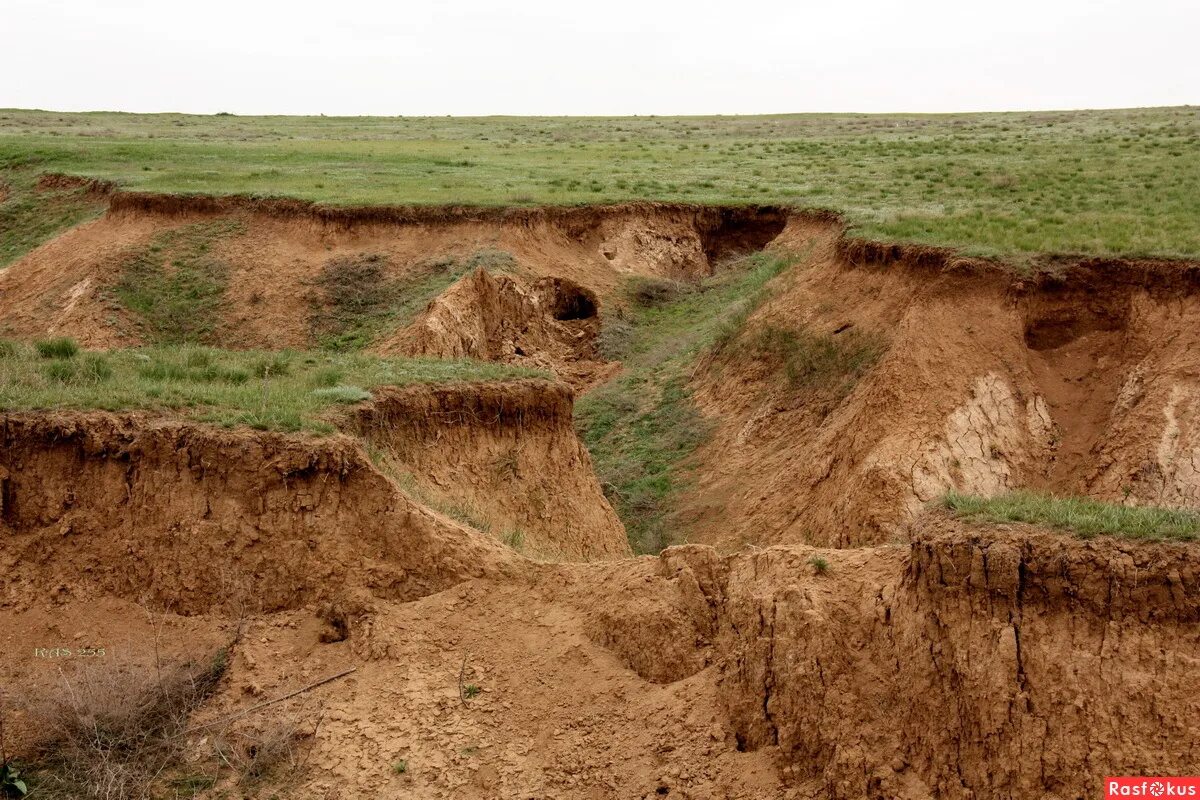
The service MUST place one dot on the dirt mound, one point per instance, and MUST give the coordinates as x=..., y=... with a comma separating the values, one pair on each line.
x=550, y=324
x=1078, y=381
x=502, y=457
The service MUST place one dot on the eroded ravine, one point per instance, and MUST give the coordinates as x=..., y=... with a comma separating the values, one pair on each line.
x=1039, y=662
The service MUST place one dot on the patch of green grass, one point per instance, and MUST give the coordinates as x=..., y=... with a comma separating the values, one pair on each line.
x=60, y=347
x=342, y=394
x=1104, y=182
x=641, y=427
x=358, y=301
x=30, y=216
x=1081, y=516
x=820, y=564
x=466, y=513
x=400, y=767
x=176, y=285
x=514, y=538
x=90, y=370
x=829, y=363
x=269, y=391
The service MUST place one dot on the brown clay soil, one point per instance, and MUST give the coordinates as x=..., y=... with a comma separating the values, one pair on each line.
x=824, y=635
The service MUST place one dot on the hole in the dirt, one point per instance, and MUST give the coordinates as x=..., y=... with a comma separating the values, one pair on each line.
x=739, y=231
x=843, y=328
x=566, y=300
x=662, y=790
x=1052, y=333
x=1057, y=327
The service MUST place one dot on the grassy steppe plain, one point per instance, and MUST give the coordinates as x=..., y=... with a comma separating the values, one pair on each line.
x=1102, y=182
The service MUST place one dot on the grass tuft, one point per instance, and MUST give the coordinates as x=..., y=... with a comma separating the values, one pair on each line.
x=343, y=394
x=61, y=347
x=1082, y=516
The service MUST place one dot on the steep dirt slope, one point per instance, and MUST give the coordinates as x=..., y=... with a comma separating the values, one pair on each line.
x=968, y=664
x=1078, y=379
x=505, y=453
x=188, y=517
x=549, y=324
x=275, y=251
x=58, y=288
x=143, y=506
x=1046, y=662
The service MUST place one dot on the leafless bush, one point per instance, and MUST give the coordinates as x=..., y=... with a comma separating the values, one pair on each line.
x=114, y=734
x=271, y=745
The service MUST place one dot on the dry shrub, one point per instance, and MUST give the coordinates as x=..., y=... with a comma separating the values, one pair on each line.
x=117, y=733
x=272, y=745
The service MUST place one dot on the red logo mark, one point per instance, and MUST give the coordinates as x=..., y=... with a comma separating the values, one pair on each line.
x=1152, y=787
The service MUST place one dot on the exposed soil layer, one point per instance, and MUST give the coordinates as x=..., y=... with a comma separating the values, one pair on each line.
x=506, y=454
x=1041, y=663
x=166, y=511
x=429, y=544
x=187, y=517
x=1078, y=379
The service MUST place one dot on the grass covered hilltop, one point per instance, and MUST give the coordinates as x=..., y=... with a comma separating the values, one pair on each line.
x=1103, y=182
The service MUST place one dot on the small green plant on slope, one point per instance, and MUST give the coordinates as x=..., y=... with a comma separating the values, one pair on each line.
x=60, y=347
x=11, y=783
x=819, y=564
x=357, y=300
x=1082, y=516
x=176, y=285
x=808, y=361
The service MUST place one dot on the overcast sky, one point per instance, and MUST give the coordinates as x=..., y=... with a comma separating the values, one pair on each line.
x=603, y=57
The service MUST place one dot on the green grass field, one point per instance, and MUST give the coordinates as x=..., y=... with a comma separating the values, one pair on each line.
x=1079, y=515
x=284, y=391
x=1103, y=182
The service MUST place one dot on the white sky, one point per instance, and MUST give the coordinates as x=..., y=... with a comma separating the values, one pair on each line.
x=601, y=57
